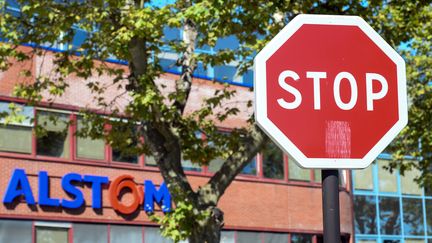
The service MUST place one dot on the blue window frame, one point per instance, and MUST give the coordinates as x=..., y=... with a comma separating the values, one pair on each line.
x=390, y=207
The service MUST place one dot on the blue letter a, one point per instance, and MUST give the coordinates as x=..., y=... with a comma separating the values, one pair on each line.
x=19, y=185
x=161, y=196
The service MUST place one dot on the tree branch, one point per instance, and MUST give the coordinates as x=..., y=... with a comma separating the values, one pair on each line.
x=187, y=62
x=215, y=188
x=159, y=135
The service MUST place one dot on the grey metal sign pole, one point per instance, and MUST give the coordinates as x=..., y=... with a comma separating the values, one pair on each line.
x=330, y=203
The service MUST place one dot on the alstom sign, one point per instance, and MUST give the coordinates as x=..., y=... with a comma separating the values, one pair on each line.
x=72, y=184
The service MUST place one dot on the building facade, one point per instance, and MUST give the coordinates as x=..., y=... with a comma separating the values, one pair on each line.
x=59, y=187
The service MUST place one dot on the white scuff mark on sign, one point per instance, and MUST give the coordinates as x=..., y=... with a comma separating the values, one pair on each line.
x=338, y=139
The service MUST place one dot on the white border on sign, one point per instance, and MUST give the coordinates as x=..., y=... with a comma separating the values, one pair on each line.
x=261, y=95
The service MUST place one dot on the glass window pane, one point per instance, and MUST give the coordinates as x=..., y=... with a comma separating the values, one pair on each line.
x=90, y=233
x=79, y=38
x=429, y=216
x=189, y=166
x=297, y=173
x=390, y=220
x=171, y=34
x=152, y=234
x=250, y=169
x=231, y=42
x=300, y=238
x=226, y=73
x=363, y=179
x=248, y=78
x=408, y=185
x=16, y=139
x=150, y=160
x=227, y=237
x=169, y=65
x=51, y=235
x=273, y=164
x=317, y=174
x=124, y=154
x=24, y=114
x=366, y=241
x=248, y=237
x=414, y=241
x=125, y=233
x=118, y=156
x=387, y=180
x=215, y=164
x=88, y=148
x=15, y=231
x=365, y=215
x=275, y=238
x=17, y=135
x=53, y=139
x=125, y=150
x=413, y=216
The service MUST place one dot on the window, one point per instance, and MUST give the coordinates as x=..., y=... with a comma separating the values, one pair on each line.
x=365, y=214
x=408, y=185
x=227, y=237
x=169, y=65
x=201, y=71
x=275, y=238
x=301, y=238
x=120, y=156
x=229, y=42
x=429, y=216
x=125, y=233
x=152, y=234
x=363, y=179
x=413, y=241
x=171, y=34
x=150, y=160
x=51, y=234
x=53, y=138
x=248, y=237
x=389, y=216
x=413, y=216
x=79, y=38
x=90, y=233
x=387, y=180
x=16, y=231
x=273, y=162
x=126, y=152
x=189, y=165
x=250, y=169
x=248, y=78
x=215, y=164
x=17, y=135
x=226, y=73
x=317, y=175
x=297, y=173
x=86, y=147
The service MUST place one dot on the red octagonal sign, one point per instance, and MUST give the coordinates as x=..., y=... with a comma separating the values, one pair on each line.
x=330, y=91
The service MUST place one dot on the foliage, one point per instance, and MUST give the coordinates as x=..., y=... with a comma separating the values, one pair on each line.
x=416, y=139
x=133, y=31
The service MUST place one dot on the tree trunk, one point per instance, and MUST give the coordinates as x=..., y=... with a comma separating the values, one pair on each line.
x=210, y=230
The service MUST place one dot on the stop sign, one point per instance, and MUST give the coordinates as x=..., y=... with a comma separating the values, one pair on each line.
x=330, y=91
